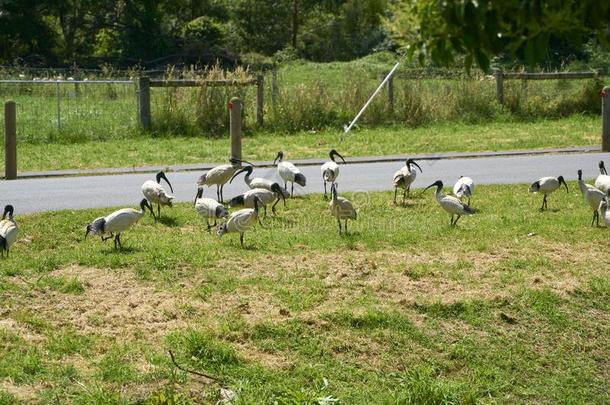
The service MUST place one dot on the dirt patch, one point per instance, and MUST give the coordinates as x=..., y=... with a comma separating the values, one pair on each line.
x=21, y=330
x=113, y=304
x=26, y=393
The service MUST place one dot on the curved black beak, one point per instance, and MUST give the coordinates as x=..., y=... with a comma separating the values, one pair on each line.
x=562, y=181
x=245, y=169
x=416, y=165
x=236, y=160
x=161, y=175
x=198, y=195
x=602, y=167
x=279, y=156
x=335, y=153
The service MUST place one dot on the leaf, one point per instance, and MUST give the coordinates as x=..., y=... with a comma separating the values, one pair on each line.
x=482, y=59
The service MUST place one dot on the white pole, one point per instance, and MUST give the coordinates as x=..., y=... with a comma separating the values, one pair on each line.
x=353, y=122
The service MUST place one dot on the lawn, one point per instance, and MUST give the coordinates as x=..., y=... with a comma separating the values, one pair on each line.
x=449, y=137
x=512, y=306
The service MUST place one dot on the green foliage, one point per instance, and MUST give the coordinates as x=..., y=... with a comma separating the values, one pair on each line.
x=482, y=29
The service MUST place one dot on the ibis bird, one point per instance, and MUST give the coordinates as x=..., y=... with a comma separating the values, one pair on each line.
x=264, y=196
x=330, y=170
x=8, y=230
x=257, y=182
x=452, y=205
x=209, y=208
x=546, y=185
x=404, y=177
x=603, y=180
x=604, y=211
x=219, y=176
x=118, y=222
x=156, y=194
x=289, y=172
x=240, y=221
x=341, y=208
x=592, y=196
x=464, y=187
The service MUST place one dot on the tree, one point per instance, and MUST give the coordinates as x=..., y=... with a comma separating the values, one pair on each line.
x=481, y=29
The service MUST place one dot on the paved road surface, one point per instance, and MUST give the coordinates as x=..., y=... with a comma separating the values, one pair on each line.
x=32, y=195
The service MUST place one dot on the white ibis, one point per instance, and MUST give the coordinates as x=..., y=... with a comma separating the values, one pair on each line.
x=289, y=172
x=603, y=180
x=604, y=211
x=219, y=176
x=592, y=196
x=8, y=230
x=341, y=208
x=264, y=196
x=117, y=222
x=257, y=182
x=464, y=187
x=404, y=177
x=547, y=185
x=209, y=208
x=452, y=205
x=156, y=194
x=330, y=170
x=240, y=221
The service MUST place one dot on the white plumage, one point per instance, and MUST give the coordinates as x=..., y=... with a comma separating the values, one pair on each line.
x=8, y=230
x=464, y=187
x=341, y=208
x=592, y=196
x=257, y=182
x=240, y=221
x=404, y=177
x=330, y=170
x=546, y=186
x=209, y=208
x=156, y=194
x=289, y=172
x=452, y=205
x=219, y=176
x=117, y=222
x=264, y=197
x=603, y=180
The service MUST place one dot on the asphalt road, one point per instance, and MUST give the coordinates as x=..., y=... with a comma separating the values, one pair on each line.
x=48, y=194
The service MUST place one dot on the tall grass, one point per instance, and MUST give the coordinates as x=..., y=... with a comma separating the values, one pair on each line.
x=310, y=97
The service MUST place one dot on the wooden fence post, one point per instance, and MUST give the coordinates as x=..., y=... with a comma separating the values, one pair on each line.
x=606, y=119
x=10, y=140
x=235, y=127
x=499, y=86
x=260, y=92
x=144, y=102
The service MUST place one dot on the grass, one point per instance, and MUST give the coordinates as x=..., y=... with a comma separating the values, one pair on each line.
x=511, y=306
x=449, y=137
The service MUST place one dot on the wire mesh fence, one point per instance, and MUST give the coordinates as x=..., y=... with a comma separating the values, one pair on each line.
x=72, y=111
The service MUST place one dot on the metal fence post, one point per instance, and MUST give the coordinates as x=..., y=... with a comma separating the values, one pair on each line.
x=606, y=119
x=58, y=106
x=10, y=140
x=260, y=92
x=274, y=88
x=499, y=86
x=144, y=102
x=235, y=127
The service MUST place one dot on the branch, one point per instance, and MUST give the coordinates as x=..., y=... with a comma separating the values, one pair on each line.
x=191, y=371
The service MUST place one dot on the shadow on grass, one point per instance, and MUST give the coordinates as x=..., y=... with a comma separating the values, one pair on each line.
x=168, y=221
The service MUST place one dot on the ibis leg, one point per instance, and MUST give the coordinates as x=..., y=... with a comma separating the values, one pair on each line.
x=325, y=193
x=346, y=226
x=451, y=220
x=595, y=216
x=543, y=203
x=292, y=190
x=404, y=196
x=158, y=210
x=241, y=239
x=455, y=222
x=409, y=190
x=265, y=210
x=395, y=192
x=339, y=222
x=274, y=204
x=218, y=192
x=222, y=197
x=207, y=221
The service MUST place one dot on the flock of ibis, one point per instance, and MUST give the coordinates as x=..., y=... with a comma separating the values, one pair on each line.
x=265, y=191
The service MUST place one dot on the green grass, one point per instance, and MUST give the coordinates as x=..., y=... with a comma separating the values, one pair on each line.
x=511, y=306
x=454, y=137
